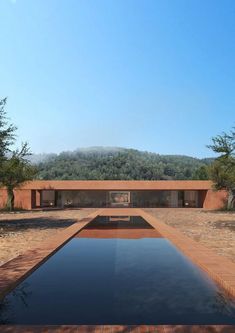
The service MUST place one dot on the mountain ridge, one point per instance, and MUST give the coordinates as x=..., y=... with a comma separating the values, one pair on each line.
x=110, y=163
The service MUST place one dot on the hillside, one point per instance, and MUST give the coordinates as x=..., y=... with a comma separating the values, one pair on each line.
x=119, y=163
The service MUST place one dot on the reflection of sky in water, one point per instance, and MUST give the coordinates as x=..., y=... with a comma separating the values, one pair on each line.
x=118, y=281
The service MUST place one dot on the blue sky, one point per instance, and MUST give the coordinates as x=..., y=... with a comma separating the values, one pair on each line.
x=156, y=75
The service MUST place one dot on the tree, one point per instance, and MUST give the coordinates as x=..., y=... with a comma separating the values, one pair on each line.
x=7, y=132
x=16, y=171
x=201, y=173
x=15, y=168
x=222, y=170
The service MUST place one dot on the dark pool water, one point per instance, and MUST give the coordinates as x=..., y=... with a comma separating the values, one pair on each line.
x=111, y=275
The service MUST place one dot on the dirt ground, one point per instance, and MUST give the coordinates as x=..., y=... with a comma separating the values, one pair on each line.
x=22, y=231
x=214, y=229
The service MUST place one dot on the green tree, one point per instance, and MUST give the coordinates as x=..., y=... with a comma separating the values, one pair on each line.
x=7, y=132
x=201, y=173
x=16, y=170
x=222, y=170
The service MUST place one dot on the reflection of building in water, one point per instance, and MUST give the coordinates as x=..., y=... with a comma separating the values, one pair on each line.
x=119, y=218
x=125, y=227
x=119, y=233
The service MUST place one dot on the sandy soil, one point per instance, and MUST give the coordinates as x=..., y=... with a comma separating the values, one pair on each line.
x=216, y=230
x=22, y=231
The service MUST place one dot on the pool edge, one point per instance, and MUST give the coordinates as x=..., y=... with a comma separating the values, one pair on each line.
x=120, y=329
x=17, y=269
x=219, y=269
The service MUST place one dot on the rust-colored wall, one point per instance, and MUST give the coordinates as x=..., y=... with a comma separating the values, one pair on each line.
x=35, y=199
x=3, y=198
x=110, y=185
x=215, y=199
x=22, y=198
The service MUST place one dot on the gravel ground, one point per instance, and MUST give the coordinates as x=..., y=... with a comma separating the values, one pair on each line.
x=214, y=229
x=22, y=231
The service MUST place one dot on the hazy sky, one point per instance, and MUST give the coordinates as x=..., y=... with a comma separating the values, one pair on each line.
x=156, y=75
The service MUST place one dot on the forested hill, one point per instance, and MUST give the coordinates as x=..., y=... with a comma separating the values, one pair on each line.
x=119, y=163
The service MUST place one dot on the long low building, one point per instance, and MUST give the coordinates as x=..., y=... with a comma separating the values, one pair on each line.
x=116, y=193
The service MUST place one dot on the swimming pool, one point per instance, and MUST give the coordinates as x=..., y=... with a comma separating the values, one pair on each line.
x=118, y=270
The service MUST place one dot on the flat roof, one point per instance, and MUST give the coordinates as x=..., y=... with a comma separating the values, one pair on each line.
x=118, y=185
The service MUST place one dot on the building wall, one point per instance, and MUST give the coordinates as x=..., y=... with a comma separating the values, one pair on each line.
x=23, y=199
x=115, y=185
x=215, y=199
x=3, y=198
x=28, y=197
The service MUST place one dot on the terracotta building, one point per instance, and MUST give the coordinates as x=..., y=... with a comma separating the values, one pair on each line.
x=105, y=193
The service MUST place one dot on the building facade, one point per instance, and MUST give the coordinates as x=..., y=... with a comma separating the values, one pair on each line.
x=69, y=193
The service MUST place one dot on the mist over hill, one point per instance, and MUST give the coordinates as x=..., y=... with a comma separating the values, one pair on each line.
x=107, y=163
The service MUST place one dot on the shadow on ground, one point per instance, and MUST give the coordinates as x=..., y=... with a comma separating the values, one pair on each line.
x=224, y=225
x=34, y=223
